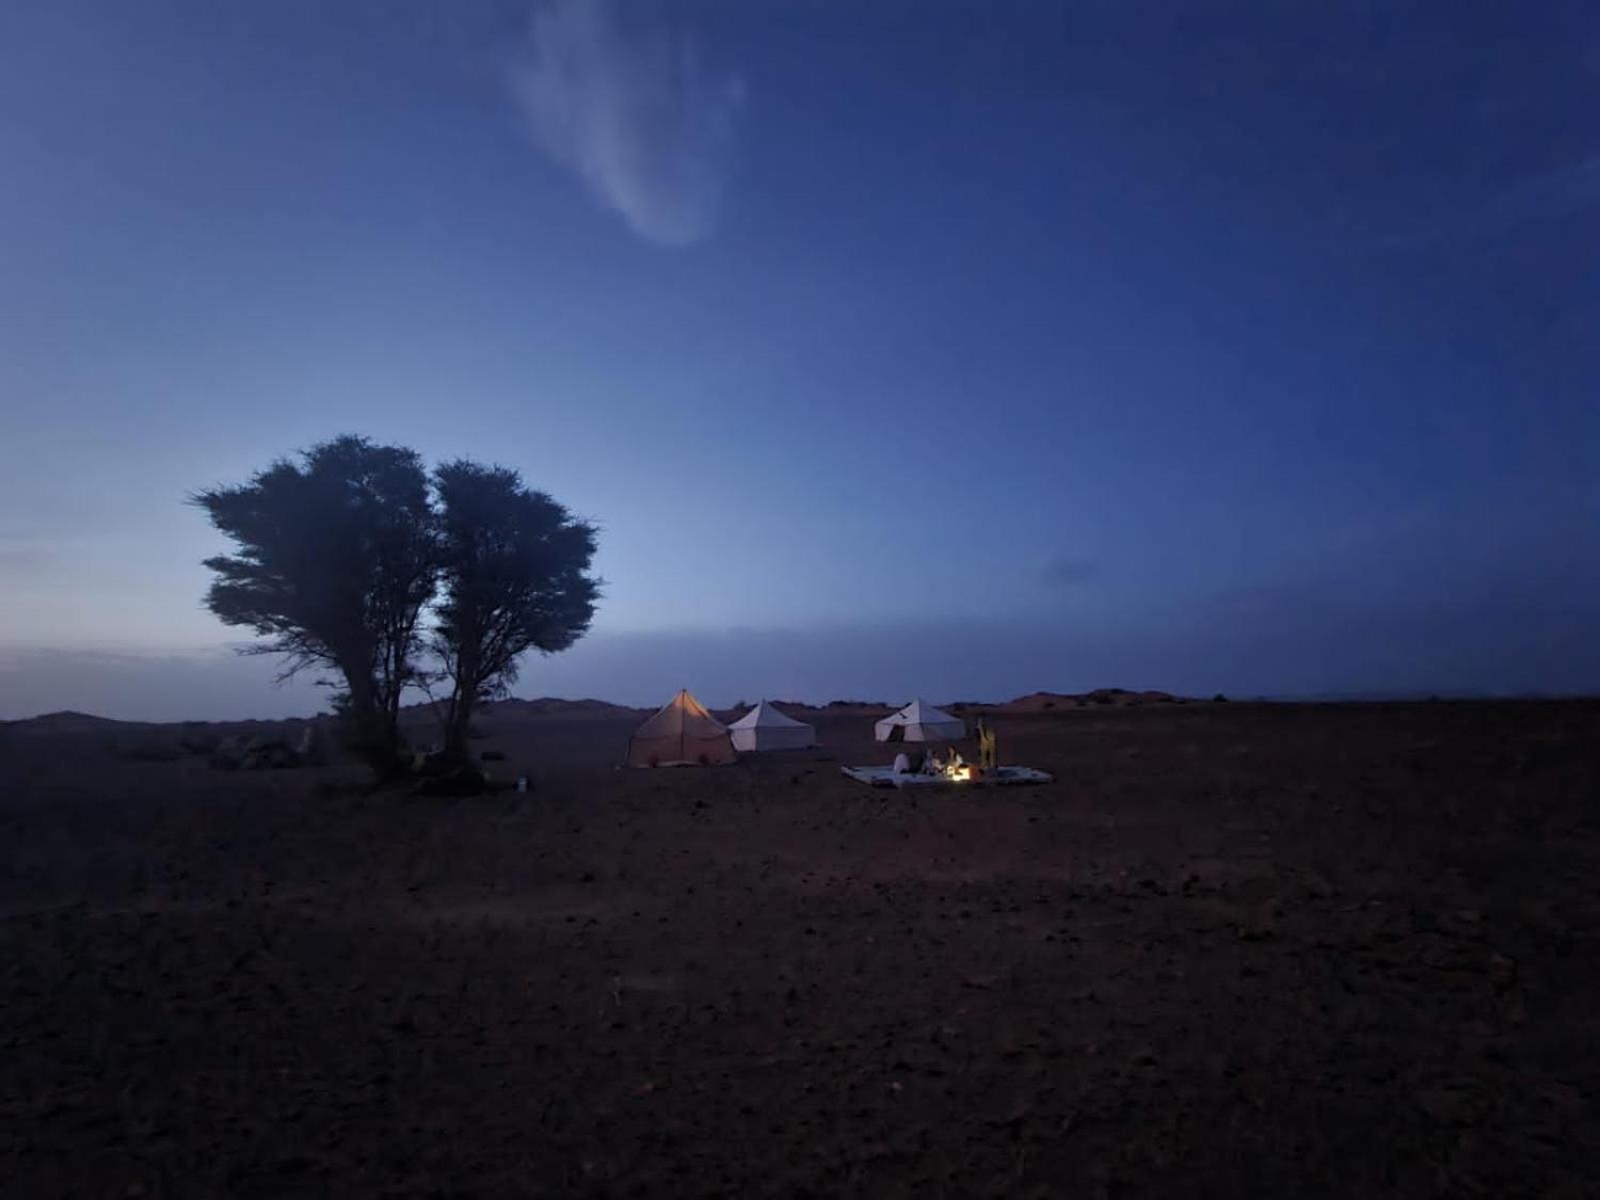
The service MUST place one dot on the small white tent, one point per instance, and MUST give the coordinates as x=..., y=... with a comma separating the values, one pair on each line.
x=920, y=721
x=681, y=734
x=765, y=728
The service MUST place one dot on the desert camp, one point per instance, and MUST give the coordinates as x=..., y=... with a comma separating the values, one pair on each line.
x=799, y=600
x=681, y=734
x=920, y=721
x=764, y=727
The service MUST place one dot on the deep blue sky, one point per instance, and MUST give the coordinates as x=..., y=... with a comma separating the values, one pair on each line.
x=898, y=347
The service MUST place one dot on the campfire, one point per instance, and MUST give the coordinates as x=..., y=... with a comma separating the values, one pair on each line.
x=954, y=768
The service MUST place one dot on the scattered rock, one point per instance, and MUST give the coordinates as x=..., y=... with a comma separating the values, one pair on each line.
x=1454, y=1101
x=1502, y=972
x=1317, y=885
x=254, y=754
x=1262, y=923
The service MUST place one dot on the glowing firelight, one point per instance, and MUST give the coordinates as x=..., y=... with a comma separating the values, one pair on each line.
x=955, y=769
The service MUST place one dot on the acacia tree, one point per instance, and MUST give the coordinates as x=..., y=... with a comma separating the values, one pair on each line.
x=335, y=563
x=513, y=575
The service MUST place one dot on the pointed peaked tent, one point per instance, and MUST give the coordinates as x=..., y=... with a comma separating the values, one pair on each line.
x=681, y=734
x=920, y=721
x=765, y=728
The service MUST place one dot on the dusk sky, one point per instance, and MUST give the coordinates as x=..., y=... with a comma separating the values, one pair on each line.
x=958, y=349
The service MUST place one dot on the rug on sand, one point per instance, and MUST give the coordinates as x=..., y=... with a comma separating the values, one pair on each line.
x=889, y=777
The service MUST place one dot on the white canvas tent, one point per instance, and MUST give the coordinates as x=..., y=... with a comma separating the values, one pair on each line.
x=765, y=728
x=920, y=721
x=681, y=734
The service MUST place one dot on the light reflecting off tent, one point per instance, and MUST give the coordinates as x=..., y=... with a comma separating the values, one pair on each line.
x=681, y=734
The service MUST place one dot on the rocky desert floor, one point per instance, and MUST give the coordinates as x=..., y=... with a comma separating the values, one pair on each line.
x=1233, y=950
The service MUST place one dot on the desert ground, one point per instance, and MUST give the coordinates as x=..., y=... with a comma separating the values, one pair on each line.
x=1285, y=950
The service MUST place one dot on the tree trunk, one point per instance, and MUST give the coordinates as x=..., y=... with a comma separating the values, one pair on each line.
x=369, y=729
x=458, y=721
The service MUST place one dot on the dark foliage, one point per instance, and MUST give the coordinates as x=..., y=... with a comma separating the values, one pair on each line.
x=152, y=752
x=513, y=575
x=333, y=567
x=459, y=781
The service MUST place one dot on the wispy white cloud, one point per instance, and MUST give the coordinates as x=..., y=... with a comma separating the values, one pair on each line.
x=633, y=112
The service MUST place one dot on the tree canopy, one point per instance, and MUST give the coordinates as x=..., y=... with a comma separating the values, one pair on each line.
x=340, y=551
x=513, y=577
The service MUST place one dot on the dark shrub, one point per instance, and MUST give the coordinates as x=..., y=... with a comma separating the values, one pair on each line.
x=465, y=781
x=152, y=752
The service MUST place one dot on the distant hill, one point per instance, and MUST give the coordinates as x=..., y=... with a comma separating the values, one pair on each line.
x=837, y=707
x=1407, y=696
x=519, y=709
x=551, y=706
x=1101, y=697
x=65, y=722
